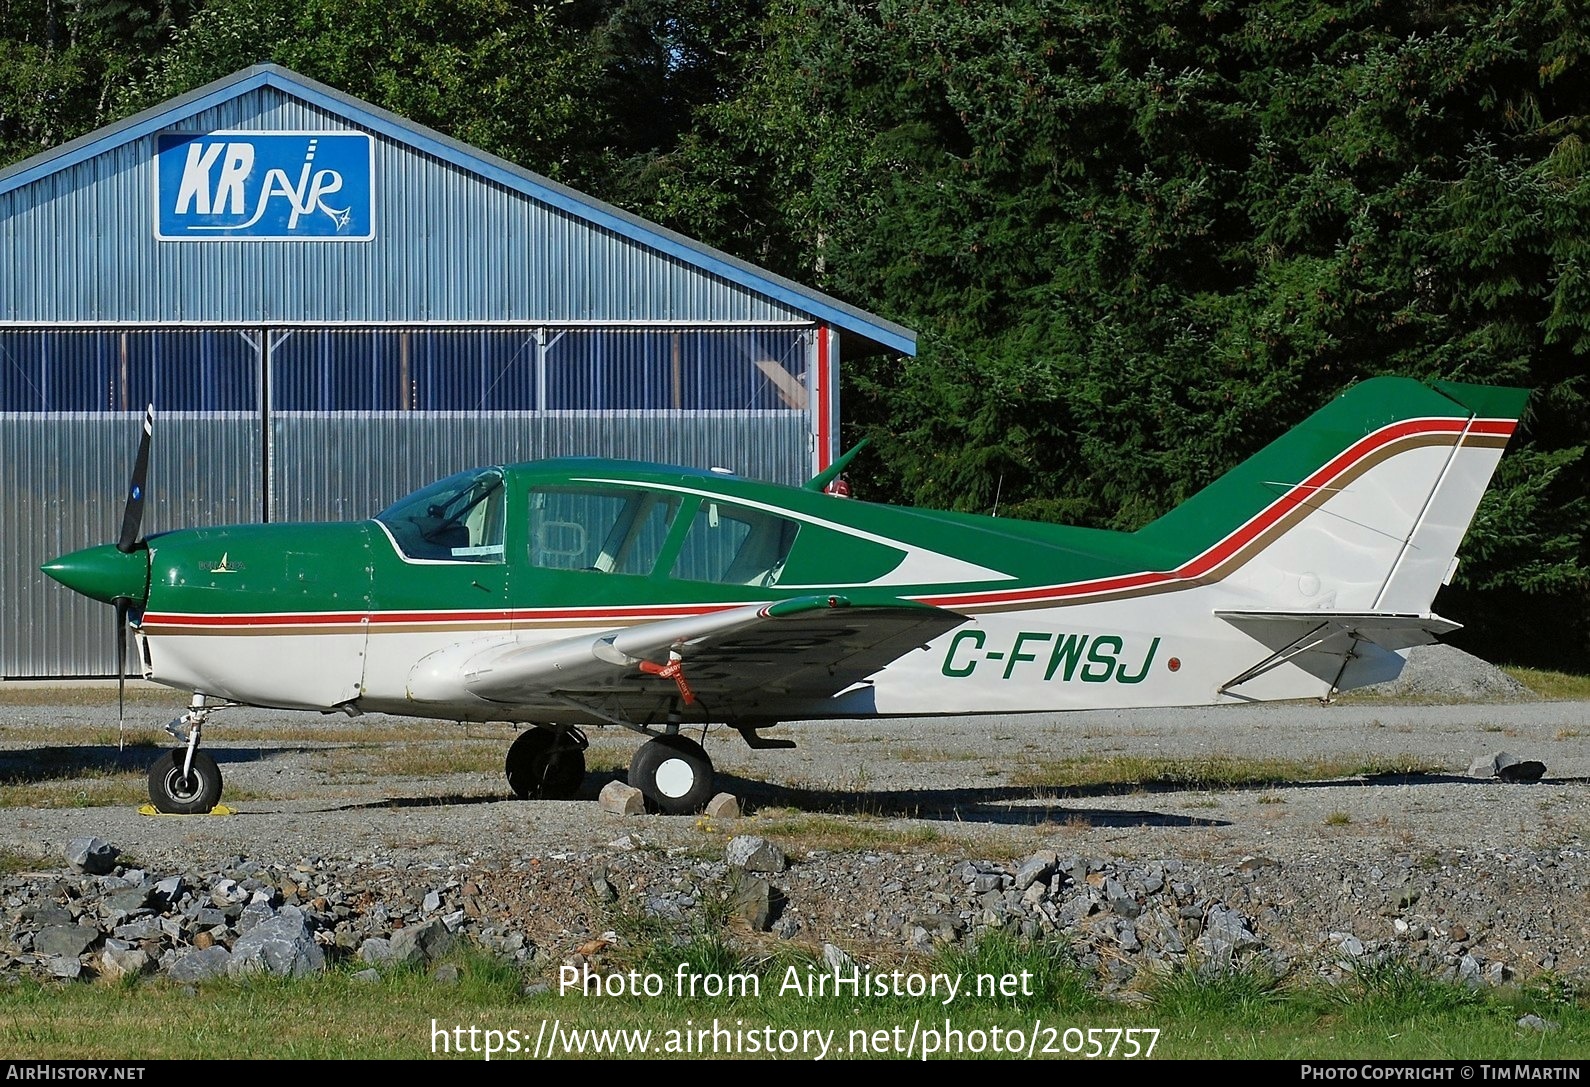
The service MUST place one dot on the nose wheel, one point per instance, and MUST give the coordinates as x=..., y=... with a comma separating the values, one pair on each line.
x=185, y=780
x=178, y=790
x=674, y=773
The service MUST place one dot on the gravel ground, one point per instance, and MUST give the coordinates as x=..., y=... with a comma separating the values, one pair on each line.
x=309, y=785
x=902, y=797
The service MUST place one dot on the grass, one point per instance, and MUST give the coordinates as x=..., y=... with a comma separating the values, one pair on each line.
x=118, y=790
x=1386, y=1012
x=1210, y=772
x=1552, y=686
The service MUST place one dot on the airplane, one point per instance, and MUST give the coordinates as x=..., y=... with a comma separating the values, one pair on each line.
x=571, y=593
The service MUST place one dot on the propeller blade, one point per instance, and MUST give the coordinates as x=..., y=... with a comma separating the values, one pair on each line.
x=132, y=518
x=122, y=606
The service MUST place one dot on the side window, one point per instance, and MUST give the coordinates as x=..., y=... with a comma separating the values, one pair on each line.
x=607, y=531
x=732, y=545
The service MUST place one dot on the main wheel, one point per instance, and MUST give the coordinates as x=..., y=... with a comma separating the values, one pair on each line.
x=674, y=773
x=542, y=765
x=174, y=793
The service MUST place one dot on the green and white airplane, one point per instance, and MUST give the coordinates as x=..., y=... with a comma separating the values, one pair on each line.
x=564, y=594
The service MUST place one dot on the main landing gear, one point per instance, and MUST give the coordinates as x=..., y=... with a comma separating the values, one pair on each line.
x=674, y=773
x=546, y=763
x=185, y=780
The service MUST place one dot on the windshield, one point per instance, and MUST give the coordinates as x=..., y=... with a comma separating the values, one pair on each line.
x=458, y=519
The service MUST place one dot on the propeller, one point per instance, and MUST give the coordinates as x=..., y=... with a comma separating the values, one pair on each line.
x=131, y=522
x=132, y=517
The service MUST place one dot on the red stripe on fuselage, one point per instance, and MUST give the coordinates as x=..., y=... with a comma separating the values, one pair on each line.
x=593, y=616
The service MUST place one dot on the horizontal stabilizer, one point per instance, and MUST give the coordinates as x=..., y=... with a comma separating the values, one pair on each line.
x=1389, y=630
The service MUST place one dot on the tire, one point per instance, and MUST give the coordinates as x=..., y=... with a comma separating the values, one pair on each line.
x=540, y=767
x=173, y=794
x=674, y=773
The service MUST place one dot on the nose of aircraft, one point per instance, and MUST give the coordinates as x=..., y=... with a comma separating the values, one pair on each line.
x=104, y=573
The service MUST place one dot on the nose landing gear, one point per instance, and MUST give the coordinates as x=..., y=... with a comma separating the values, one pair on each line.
x=185, y=780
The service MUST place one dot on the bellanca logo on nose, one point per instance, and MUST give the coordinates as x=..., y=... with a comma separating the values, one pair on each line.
x=229, y=186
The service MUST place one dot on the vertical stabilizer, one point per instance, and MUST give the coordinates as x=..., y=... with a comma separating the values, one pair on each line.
x=1360, y=508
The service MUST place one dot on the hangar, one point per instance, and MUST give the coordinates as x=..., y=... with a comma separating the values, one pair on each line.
x=329, y=306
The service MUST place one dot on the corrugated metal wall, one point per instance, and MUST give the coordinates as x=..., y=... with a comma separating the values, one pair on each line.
x=347, y=466
x=383, y=418
x=65, y=480
x=449, y=246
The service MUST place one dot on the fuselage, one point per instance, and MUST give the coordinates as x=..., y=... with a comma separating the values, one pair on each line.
x=1353, y=516
x=319, y=616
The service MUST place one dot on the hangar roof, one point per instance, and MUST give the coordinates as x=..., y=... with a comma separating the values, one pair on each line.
x=863, y=331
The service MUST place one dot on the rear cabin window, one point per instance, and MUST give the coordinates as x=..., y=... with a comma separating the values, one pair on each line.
x=732, y=545
x=610, y=531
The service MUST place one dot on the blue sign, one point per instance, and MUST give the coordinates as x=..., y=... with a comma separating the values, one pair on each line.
x=304, y=186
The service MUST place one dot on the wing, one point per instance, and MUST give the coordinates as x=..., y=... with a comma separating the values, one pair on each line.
x=754, y=661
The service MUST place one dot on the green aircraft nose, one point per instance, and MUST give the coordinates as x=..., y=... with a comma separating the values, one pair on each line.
x=104, y=573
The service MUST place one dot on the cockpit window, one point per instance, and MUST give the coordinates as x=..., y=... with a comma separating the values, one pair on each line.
x=458, y=519
x=610, y=531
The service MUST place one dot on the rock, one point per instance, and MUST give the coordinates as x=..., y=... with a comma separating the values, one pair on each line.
x=377, y=950
x=48, y=915
x=1039, y=866
x=838, y=961
x=1121, y=902
x=755, y=854
x=95, y=856
x=1485, y=765
x=116, y=963
x=1535, y=1022
x=431, y=902
x=366, y=977
x=415, y=945
x=621, y=799
x=127, y=901
x=1509, y=768
x=64, y=941
x=200, y=965
x=445, y=974
x=752, y=899
x=281, y=945
x=169, y=890
x=1469, y=971
x=1226, y=934
x=69, y=969
x=253, y=915
x=723, y=806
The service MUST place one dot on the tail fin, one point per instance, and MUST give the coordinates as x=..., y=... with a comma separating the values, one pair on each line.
x=1359, y=509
